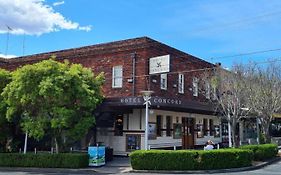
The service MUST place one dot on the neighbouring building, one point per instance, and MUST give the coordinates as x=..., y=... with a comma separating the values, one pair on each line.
x=180, y=113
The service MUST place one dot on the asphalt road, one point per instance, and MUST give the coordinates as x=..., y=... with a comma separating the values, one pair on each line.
x=274, y=169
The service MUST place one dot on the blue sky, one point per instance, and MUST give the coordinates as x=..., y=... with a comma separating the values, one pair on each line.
x=208, y=28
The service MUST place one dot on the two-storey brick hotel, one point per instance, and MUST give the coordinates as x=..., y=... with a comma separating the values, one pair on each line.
x=179, y=116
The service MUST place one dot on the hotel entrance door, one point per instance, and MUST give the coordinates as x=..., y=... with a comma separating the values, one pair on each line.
x=187, y=133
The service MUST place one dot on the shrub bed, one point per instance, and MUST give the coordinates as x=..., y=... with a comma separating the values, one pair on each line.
x=190, y=159
x=62, y=160
x=263, y=151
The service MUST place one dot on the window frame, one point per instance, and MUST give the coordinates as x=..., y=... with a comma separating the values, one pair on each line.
x=208, y=90
x=163, y=81
x=195, y=82
x=114, y=77
x=181, y=83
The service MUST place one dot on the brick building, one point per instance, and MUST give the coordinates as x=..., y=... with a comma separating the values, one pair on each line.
x=180, y=114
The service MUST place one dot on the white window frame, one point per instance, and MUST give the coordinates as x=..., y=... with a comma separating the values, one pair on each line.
x=181, y=83
x=163, y=81
x=214, y=93
x=117, y=79
x=208, y=90
x=195, y=82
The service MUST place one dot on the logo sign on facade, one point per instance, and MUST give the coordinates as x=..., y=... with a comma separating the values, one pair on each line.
x=159, y=64
x=154, y=101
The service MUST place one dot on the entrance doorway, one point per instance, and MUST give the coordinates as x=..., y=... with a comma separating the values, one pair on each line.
x=187, y=133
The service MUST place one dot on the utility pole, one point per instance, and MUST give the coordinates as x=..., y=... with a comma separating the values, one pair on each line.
x=7, y=41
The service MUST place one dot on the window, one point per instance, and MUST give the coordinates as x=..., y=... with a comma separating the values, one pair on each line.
x=211, y=127
x=163, y=82
x=159, y=125
x=133, y=142
x=117, y=76
x=195, y=86
x=207, y=90
x=181, y=83
x=205, y=127
x=168, y=125
x=118, y=130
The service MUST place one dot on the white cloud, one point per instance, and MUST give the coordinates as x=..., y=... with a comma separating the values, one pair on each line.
x=85, y=28
x=33, y=17
x=58, y=3
x=7, y=56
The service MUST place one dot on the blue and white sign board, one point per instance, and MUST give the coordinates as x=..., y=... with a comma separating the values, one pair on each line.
x=96, y=155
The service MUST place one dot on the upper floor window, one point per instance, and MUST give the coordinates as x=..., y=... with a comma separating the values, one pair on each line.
x=181, y=83
x=163, y=81
x=214, y=92
x=117, y=76
x=195, y=86
x=207, y=90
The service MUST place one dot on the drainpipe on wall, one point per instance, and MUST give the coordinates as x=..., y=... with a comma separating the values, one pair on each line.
x=133, y=56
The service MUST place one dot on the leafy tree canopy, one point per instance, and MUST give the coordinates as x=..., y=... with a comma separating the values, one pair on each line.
x=55, y=96
x=5, y=78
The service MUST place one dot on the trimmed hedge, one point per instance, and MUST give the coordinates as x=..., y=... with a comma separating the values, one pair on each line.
x=62, y=160
x=263, y=151
x=190, y=159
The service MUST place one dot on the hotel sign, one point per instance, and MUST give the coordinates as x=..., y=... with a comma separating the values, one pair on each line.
x=159, y=64
x=154, y=101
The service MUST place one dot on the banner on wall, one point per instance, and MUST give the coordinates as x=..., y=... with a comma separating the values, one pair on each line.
x=96, y=155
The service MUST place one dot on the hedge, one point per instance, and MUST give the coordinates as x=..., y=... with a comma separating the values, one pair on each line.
x=62, y=160
x=263, y=151
x=190, y=159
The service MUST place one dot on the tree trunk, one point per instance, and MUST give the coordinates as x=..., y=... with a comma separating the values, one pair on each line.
x=265, y=128
x=233, y=128
x=57, y=145
x=267, y=134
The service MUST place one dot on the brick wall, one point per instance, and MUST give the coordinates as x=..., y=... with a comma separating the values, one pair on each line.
x=102, y=57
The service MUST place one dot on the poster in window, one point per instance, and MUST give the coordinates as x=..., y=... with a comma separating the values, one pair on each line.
x=200, y=132
x=151, y=131
x=133, y=142
x=217, y=131
x=177, y=131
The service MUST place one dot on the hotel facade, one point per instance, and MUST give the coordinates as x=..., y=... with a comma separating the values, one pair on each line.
x=180, y=116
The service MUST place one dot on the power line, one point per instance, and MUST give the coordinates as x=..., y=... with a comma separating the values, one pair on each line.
x=194, y=70
x=241, y=21
x=247, y=53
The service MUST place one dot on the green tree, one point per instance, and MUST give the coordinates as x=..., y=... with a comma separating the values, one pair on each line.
x=54, y=97
x=5, y=78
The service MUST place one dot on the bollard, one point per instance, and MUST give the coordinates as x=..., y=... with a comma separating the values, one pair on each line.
x=149, y=147
x=52, y=150
x=218, y=146
x=175, y=147
x=35, y=151
x=71, y=149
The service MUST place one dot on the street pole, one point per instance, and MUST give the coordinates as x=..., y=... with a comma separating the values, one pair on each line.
x=146, y=126
x=25, y=143
x=146, y=98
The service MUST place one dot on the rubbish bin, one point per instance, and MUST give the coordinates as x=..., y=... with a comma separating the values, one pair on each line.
x=96, y=155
